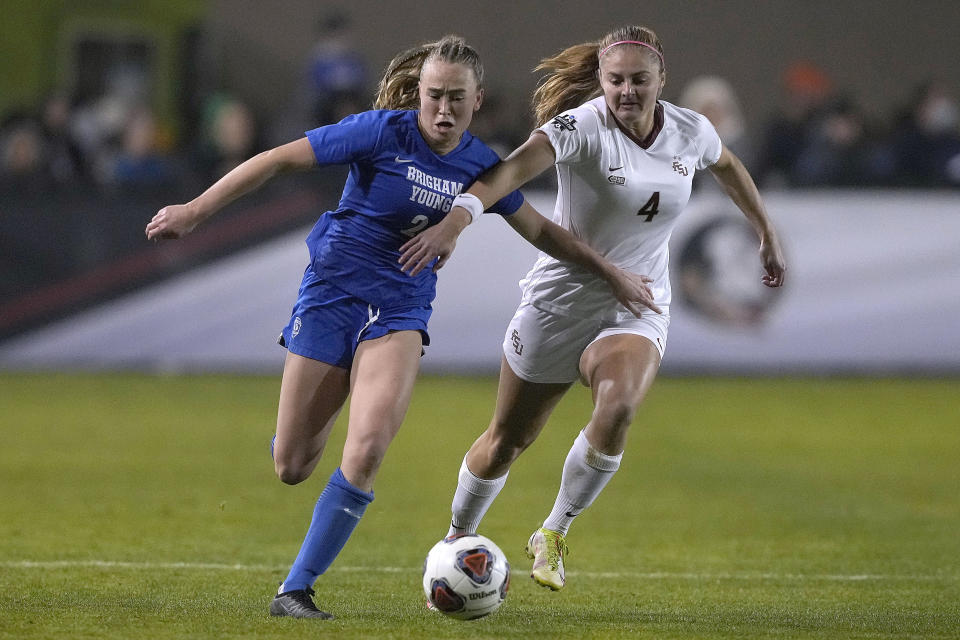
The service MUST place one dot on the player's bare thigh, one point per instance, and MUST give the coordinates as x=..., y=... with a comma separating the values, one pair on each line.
x=619, y=369
x=384, y=371
x=311, y=396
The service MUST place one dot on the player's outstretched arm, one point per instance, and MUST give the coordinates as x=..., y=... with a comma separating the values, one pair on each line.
x=527, y=161
x=176, y=221
x=736, y=181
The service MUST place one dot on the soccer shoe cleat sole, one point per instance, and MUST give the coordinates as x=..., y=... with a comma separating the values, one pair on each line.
x=547, y=579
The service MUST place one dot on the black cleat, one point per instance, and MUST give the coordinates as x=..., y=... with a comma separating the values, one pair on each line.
x=297, y=604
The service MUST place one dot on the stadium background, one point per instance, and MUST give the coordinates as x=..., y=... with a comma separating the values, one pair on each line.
x=794, y=468
x=860, y=263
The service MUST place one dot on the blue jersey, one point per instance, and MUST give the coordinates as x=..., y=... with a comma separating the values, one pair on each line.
x=396, y=188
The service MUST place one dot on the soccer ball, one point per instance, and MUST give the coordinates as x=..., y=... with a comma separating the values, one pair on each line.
x=466, y=576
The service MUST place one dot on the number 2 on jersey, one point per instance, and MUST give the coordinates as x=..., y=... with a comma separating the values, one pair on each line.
x=651, y=208
x=419, y=223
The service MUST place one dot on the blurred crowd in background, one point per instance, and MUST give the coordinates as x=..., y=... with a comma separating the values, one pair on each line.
x=819, y=137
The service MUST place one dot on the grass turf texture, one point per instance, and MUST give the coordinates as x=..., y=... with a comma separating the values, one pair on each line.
x=136, y=506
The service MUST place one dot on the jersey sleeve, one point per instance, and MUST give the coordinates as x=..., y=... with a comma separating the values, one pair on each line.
x=573, y=134
x=708, y=143
x=353, y=138
x=507, y=205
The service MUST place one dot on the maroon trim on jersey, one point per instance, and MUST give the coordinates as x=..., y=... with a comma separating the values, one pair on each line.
x=657, y=126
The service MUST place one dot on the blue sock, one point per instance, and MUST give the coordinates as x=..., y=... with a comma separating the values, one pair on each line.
x=334, y=518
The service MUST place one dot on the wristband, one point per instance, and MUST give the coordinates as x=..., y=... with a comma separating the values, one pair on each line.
x=471, y=203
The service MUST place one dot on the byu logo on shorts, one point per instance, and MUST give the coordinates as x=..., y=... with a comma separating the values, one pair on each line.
x=296, y=327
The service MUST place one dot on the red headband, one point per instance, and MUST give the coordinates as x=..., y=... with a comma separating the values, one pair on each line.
x=642, y=44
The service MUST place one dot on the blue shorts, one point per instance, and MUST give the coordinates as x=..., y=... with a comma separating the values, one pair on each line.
x=327, y=323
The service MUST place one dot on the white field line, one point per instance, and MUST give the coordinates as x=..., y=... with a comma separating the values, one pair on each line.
x=656, y=575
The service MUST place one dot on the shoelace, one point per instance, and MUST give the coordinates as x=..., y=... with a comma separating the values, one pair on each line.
x=556, y=550
x=304, y=598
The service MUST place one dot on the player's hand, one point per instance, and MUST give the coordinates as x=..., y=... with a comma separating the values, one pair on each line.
x=633, y=291
x=771, y=255
x=174, y=221
x=436, y=242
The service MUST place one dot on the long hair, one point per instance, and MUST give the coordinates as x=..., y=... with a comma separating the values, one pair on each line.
x=572, y=76
x=398, y=86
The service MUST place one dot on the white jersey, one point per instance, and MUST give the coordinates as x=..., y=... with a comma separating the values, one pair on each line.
x=621, y=199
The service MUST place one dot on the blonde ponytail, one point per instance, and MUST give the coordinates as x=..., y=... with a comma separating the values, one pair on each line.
x=571, y=80
x=398, y=86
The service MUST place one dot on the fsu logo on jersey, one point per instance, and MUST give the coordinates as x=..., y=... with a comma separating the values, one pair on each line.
x=678, y=166
x=565, y=123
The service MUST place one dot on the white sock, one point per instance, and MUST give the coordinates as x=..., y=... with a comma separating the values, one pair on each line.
x=473, y=497
x=585, y=473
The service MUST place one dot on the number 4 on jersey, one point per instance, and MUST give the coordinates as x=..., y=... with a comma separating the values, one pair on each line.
x=652, y=207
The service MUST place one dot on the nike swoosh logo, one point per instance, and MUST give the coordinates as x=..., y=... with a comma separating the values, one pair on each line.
x=401, y=160
x=616, y=168
x=570, y=514
x=350, y=513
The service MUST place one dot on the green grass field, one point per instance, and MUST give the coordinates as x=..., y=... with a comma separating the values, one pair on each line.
x=138, y=506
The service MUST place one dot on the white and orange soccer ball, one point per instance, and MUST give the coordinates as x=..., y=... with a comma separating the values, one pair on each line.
x=466, y=577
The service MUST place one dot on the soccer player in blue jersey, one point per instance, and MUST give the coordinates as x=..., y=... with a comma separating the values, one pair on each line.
x=360, y=322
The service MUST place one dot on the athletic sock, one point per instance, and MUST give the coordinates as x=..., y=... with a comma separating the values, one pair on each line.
x=586, y=472
x=338, y=510
x=472, y=499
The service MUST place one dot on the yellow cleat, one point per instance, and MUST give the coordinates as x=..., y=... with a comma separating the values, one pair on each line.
x=547, y=549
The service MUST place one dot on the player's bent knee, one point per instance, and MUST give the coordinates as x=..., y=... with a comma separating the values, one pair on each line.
x=292, y=464
x=291, y=474
x=293, y=469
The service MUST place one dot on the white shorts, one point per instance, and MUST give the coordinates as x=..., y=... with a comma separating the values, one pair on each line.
x=541, y=346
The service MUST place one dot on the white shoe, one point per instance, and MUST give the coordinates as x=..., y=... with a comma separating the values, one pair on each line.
x=547, y=549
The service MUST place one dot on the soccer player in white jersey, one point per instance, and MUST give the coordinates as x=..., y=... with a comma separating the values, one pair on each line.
x=625, y=161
